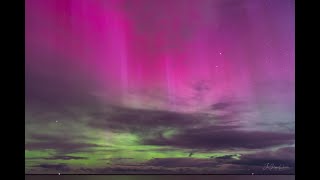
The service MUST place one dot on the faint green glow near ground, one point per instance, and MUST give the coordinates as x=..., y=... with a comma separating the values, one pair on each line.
x=113, y=149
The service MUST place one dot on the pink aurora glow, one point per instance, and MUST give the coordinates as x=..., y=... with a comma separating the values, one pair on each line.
x=167, y=54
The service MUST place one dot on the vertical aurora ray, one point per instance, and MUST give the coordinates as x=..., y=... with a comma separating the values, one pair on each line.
x=159, y=86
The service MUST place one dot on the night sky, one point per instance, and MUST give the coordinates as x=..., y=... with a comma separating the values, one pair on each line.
x=159, y=86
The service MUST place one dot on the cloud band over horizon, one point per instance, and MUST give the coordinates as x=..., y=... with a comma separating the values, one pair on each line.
x=160, y=87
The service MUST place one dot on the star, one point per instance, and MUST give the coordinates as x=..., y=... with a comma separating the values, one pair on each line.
x=58, y=173
x=217, y=66
x=56, y=121
x=220, y=53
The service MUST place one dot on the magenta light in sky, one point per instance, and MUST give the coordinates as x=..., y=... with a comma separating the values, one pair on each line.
x=183, y=56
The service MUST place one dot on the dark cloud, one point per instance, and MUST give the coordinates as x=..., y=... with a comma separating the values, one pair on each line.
x=195, y=131
x=58, y=137
x=215, y=138
x=59, y=146
x=65, y=158
x=87, y=170
x=50, y=81
x=201, y=86
x=181, y=162
x=284, y=156
x=57, y=167
x=58, y=143
x=120, y=118
x=280, y=161
x=130, y=119
x=46, y=137
x=58, y=157
x=220, y=106
x=226, y=157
